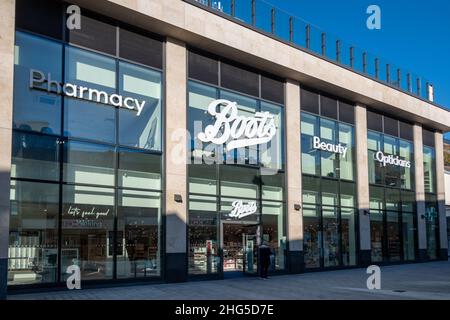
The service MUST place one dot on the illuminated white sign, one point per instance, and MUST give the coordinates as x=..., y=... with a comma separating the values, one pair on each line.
x=389, y=159
x=241, y=210
x=317, y=144
x=237, y=131
x=37, y=79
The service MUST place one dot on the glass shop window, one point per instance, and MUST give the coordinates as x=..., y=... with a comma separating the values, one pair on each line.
x=88, y=163
x=87, y=119
x=35, y=109
x=87, y=223
x=140, y=129
x=33, y=233
x=139, y=170
x=35, y=157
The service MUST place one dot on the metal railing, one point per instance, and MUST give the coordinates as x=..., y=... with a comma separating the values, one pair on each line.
x=278, y=23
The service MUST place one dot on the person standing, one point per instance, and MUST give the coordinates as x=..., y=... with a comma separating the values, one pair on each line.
x=264, y=259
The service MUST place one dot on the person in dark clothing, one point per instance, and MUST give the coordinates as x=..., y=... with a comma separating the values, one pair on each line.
x=264, y=258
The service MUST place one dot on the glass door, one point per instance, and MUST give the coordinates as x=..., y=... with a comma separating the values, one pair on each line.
x=250, y=245
x=321, y=238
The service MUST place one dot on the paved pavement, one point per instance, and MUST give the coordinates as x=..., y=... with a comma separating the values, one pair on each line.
x=411, y=281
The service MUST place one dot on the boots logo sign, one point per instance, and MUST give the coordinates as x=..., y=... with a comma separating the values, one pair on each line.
x=241, y=210
x=237, y=131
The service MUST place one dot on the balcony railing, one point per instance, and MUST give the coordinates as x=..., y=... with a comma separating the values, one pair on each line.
x=278, y=23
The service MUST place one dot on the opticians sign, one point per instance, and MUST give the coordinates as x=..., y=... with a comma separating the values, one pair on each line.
x=237, y=131
x=389, y=159
x=37, y=79
x=336, y=148
x=241, y=209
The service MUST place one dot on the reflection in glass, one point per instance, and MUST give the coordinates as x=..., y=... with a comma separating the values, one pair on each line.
x=312, y=238
x=34, y=109
x=143, y=131
x=87, y=226
x=200, y=96
x=375, y=167
x=310, y=155
x=89, y=120
x=408, y=235
x=429, y=169
x=88, y=163
x=35, y=157
x=393, y=235
x=139, y=170
x=273, y=233
x=33, y=233
x=272, y=153
x=203, y=236
x=432, y=226
x=348, y=225
x=407, y=174
x=330, y=237
x=376, y=236
x=138, y=234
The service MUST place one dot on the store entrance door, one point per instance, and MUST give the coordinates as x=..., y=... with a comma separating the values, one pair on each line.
x=239, y=248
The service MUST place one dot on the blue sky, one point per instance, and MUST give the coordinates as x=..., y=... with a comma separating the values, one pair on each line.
x=414, y=35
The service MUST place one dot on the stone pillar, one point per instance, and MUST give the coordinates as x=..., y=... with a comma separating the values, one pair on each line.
x=294, y=178
x=175, y=162
x=440, y=188
x=8, y=10
x=420, y=192
x=362, y=184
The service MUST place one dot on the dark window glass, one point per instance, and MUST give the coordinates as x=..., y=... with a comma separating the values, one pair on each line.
x=139, y=170
x=428, y=137
x=140, y=48
x=238, y=79
x=348, y=194
x=391, y=126
x=272, y=89
x=88, y=163
x=203, y=68
x=36, y=109
x=311, y=189
x=94, y=34
x=393, y=235
x=328, y=107
x=35, y=157
x=309, y=101
x=40, y=16
x=406, y=131
x=374, y=121
x=33, y=233
x=346, y=112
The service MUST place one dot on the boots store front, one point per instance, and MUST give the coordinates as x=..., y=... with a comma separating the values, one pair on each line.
x=94, y=159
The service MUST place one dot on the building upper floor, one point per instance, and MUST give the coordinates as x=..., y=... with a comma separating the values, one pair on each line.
x=203, y=28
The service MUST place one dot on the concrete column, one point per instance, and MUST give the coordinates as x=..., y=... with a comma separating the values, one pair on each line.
x=362, y=184
x=8, y=10
x=440, y=188
x=294, y=178
x=175, y=162
x=420, y=192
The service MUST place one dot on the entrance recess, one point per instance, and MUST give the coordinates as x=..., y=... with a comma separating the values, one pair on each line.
x=239, y=247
